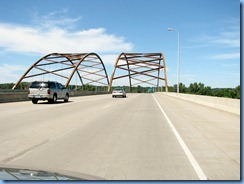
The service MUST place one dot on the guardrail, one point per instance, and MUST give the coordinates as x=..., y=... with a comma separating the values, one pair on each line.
x=221, y=103
x=21, y=95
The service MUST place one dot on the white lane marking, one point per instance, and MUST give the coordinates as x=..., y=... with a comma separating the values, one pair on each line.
x=106, y=106
x=189, y=155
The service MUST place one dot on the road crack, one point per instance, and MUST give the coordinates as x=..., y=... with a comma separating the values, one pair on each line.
x=22, y=153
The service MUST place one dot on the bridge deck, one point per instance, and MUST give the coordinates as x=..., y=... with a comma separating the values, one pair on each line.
x=121, y=138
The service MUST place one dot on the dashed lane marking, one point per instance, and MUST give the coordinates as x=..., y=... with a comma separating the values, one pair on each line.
x=106, y=106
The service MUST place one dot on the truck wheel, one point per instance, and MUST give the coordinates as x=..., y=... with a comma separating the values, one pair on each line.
x=34, y=101
x=66, y=99
x=54, y=98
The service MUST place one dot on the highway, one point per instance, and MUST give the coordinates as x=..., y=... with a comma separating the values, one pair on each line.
x=141, y=137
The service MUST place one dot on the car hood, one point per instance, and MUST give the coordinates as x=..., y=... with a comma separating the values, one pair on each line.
x=8, y=172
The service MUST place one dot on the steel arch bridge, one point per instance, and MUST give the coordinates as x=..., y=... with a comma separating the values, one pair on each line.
x=88, y=66
x=140, y=68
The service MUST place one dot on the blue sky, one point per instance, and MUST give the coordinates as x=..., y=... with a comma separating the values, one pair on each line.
x=209, y=34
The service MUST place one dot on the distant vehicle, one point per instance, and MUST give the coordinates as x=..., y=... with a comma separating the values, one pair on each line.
x=49, y=90
x=119, y=92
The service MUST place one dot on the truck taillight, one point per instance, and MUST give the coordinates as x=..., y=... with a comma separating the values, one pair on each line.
x=28, y=91
x=48, y=92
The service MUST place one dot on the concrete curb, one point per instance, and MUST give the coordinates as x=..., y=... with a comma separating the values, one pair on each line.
x=225, y=104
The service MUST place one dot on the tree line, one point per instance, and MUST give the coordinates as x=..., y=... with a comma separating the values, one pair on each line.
x=21, y=86
x=201, y=89
x=194, y=88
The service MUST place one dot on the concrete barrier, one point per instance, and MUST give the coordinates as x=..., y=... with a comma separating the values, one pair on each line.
x=16, y=96
x=13, y=97
x=221, y=103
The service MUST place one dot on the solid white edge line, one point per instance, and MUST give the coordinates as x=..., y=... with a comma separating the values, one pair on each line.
x=189, y=155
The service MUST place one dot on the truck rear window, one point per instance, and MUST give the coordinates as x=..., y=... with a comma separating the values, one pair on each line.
x=39, y=85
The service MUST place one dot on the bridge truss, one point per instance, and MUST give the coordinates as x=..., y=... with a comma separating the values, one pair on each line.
x=88, y=66
x=140, y=68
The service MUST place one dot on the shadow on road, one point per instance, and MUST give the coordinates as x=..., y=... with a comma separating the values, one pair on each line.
x=58, y=102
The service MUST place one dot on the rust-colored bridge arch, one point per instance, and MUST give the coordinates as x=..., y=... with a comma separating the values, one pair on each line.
x=140, y=68
x=88, y=66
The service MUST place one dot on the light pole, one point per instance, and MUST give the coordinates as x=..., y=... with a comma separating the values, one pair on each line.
x=178, y=74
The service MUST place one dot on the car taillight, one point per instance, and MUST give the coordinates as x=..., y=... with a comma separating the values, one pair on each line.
x=28, y=91
x=48, y=92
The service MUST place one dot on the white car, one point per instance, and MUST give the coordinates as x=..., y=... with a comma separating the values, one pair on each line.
x=49, y=90
x=119, y=92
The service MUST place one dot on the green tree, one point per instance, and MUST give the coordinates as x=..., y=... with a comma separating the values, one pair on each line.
x=193, y=88
x=238, y=92
x=139, y=89
x=208, y=91
x=183, y=88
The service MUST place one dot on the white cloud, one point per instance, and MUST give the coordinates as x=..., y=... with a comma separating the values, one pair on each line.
x=57, y=18
x=224, y=40
x=189, y=77
x=230, y=39
x=225, y=34
x=10, y=73
x=230, y=65
x=55, y=32
x=226, y=56
x=109, y=59
x=18, y=38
